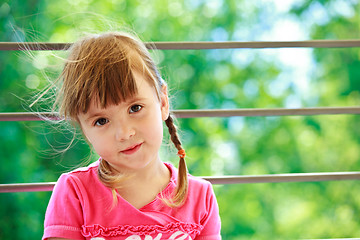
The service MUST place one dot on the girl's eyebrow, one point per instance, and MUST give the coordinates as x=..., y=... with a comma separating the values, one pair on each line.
x=92, y=116
x=136, y=99
x=133, y=99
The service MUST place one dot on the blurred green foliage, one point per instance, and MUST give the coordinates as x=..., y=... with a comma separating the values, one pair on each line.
x=237, y=78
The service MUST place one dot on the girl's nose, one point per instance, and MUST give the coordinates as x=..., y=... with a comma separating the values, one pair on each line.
x=124, y=132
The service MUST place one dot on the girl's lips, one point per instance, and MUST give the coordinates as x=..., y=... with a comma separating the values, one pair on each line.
x=132, y=149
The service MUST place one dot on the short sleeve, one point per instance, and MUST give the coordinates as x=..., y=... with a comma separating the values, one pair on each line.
x=64, y=215
x=211, y=221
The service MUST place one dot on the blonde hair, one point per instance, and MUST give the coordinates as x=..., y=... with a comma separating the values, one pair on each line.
x=100, y=67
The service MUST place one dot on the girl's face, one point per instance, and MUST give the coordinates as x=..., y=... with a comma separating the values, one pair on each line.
x=128, y=135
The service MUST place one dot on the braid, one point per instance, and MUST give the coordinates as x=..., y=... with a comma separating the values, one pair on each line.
x=182, y=185
x=173, y=132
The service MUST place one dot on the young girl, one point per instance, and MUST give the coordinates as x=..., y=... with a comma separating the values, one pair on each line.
x=113, y=91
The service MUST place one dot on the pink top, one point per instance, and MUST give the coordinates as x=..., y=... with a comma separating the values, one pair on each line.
x=80, y=208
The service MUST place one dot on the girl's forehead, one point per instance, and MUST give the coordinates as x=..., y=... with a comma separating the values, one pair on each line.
x=144, y=91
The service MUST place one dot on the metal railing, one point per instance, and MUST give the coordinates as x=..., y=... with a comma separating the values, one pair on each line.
x=29, y=116
x=272, y=178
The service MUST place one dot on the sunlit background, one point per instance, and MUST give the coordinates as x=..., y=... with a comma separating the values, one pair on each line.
x=204, y=79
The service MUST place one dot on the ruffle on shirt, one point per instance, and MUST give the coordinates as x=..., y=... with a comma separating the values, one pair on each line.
x=97, y=230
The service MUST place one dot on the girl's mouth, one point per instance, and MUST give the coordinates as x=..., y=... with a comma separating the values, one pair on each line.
x=132, y=149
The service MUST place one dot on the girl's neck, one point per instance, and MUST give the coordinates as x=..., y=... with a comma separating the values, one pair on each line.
x=156, y=170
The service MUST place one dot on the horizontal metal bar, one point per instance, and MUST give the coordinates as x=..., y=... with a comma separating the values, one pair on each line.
x=251, y=112
x=261, y=112
x=27, y=187
x=272, y=178
x=38, y=46
x=11, y=46
x=27, y=116
x=291, y=177
x=258, y=44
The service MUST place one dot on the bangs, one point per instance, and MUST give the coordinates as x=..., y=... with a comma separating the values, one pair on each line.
x=108, y=83
x=102, y=74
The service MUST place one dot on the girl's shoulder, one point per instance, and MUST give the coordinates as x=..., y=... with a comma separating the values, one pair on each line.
x=198, y=182
x=90, y=168
x=199, y=188
x=81, y=172
x=79, y=177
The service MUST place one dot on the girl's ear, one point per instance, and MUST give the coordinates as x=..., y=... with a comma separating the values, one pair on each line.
x=164, y=101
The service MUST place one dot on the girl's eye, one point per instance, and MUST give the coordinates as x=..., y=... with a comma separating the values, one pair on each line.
x=135, y=108
x=101, y=121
